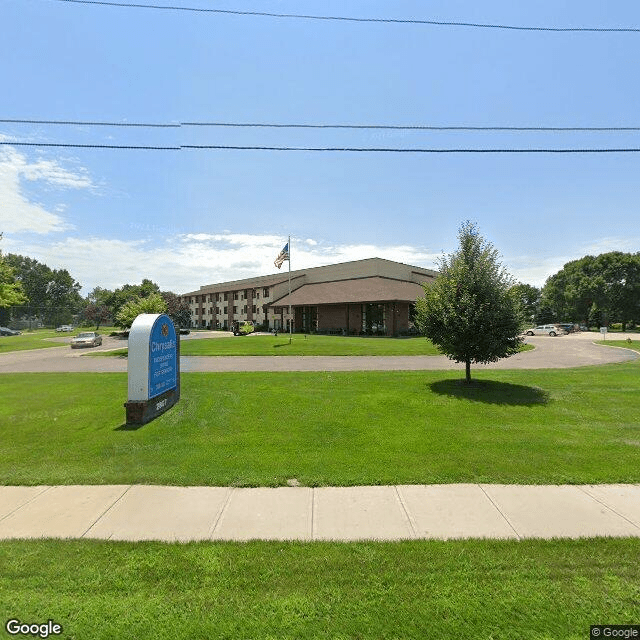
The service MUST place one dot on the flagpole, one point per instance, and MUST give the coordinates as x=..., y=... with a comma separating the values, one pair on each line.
x=290, y=318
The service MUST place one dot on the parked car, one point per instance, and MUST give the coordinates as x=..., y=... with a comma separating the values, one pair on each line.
x=86, y=339
x=568, y=327
x=546, y=330
x=65, y=327
x=5, y=331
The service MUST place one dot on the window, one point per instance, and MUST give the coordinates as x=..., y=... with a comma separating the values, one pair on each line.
x=235, y=295
x=253, y=308
x=224, y=311
x=265, y=292
x=235, y=309
x=225, y=297
x=257, y=295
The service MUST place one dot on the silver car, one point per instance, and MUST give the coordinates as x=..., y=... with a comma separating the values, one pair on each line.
x=86, y=339
x=546, y=330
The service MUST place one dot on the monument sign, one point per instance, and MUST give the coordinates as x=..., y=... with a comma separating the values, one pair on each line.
x=153, y=367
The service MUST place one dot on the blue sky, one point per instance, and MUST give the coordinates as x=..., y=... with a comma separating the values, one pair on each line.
x=193, y=217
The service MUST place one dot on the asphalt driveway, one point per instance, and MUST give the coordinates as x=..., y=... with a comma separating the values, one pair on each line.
x=574, y=350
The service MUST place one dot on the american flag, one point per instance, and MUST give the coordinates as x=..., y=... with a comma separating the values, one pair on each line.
x=282, y=256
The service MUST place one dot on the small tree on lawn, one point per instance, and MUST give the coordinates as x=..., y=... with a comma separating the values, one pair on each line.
x=470, y=311
x=132, y=309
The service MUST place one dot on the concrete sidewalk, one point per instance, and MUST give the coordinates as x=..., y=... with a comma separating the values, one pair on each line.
x=144, y=512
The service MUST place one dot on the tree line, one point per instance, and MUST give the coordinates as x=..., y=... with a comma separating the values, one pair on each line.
x=30, y=291
x=593, y=291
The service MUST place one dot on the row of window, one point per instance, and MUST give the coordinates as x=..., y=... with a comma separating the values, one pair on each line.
x=224, y=310
x=237, y=295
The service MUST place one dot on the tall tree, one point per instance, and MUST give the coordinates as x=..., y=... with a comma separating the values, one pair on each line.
x=52, y=293
x=96, y=309
x=470, y=311
x=129, y=311
x=528, y=297
x=596, y=289
x=11, y=292
x=115, y=300
x=179, y=312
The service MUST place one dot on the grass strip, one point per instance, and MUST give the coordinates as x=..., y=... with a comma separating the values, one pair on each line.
x=302, y=345
x=625, y=344
x=353, y=428
x=538, y=590
x=44, y=339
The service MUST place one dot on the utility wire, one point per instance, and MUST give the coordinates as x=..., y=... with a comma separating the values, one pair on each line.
x=88, y=146
x=400, y=127
x=409, y=150
x=439, y=23
x=91, y=123
x=266, y=125
x=319, y=149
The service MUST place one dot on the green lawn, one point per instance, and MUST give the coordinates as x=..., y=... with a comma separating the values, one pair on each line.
x=354, y=428
x=634, y=344
x=302, y=345
x=43, y=339
x=481, y=590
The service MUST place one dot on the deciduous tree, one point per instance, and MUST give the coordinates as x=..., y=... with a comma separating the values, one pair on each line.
x=528, y=297
x=129, y=311
x=11, y=292
x=470, y=311
x=51, y=293
x=596, y=289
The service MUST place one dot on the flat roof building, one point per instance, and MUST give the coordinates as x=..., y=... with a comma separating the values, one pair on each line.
x=364, y=297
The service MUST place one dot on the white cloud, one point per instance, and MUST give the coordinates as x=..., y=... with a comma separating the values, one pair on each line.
x=606, y=245
x=535, y=270
x=185, y=263
x=18, y=213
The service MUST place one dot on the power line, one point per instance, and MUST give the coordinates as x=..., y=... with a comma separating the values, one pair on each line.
x=91, y=123
x=322, y=149
x=439, y=23
x=272, y=125
x=401, y=127
x=406, y=150
x=88, y=146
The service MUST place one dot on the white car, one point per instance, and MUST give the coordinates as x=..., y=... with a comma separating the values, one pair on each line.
x=86, y=339
x=65, y=327
x=546, y=330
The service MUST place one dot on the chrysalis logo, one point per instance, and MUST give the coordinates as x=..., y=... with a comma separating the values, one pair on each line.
x=165, y=330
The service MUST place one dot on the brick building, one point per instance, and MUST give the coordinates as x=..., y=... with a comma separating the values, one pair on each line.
x=372, y=296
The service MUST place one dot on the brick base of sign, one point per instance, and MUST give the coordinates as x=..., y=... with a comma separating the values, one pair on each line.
x=141, y=412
